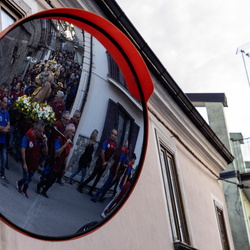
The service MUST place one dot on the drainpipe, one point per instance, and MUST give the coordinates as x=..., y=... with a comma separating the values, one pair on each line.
x=89, y=77
x=90, y=70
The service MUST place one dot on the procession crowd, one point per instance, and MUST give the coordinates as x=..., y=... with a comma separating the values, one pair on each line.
x=56, y=82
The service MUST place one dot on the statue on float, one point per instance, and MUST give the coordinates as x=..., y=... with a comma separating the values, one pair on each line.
x=43, y=81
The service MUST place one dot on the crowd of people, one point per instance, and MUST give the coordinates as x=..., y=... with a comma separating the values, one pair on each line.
x=56, y=147
x=53, y=81
x=120, y=172
x=56, y=82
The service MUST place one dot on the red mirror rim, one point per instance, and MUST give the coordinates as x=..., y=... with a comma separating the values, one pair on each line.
x=128, y=58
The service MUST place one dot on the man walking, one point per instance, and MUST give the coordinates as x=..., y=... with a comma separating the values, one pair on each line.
x=4, y=130
x=118, y=166
x=106, y=155
x=57, y=159
x=34, y=144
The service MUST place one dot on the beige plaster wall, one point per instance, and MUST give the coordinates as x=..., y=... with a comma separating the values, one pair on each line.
x=143, y=223
x=199, y=190
x=246, y=207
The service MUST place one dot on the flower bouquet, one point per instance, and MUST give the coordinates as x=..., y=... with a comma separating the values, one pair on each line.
x=35, y=111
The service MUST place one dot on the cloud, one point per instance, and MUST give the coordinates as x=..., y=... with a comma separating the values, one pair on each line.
x=197, y=41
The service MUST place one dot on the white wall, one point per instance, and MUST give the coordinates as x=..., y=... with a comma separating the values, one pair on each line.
x=94, y=113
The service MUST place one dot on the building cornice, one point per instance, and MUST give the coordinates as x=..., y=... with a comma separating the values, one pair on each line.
x=164, y=110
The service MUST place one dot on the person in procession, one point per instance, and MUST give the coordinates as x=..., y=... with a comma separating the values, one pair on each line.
x=34, y=144
x=106, y=155
x=85, y=158
x=57, y=159
x=115, y=171
x=4, y=130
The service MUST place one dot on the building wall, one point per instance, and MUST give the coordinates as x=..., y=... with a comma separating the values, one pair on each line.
x=237, y=216
x=143, y=221
x=246, y=208
x=199, y=187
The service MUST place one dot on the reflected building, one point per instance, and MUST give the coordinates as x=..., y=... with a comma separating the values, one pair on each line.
x=31, y=43
x=117, y=108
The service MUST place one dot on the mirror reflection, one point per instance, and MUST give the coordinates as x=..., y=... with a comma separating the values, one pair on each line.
x=71, y=134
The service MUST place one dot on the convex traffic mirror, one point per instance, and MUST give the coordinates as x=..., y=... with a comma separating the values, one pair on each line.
x=77, y=59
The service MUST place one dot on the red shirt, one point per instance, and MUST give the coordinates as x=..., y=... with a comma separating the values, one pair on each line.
x=109, y=151
x=59, y=162
x=14, y=95
x=33, y=151
x=60, y=126
x=57, y=108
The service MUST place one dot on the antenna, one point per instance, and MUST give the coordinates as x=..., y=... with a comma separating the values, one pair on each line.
x=242, y=50
x=244, y=62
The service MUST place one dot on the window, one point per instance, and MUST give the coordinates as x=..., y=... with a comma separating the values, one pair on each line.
x=6, y=19
x=124, y=124
x=115, y=72
x=222, y=226
x=117, y=117
x=174, y=200
x=10, y=12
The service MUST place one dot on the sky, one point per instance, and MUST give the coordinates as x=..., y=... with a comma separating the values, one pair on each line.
x=197, y=41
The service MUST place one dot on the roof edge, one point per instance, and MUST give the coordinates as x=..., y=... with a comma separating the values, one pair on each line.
x=115, y=14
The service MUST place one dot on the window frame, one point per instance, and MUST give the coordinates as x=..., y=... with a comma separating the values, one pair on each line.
x=221, y=223
x=114, y=71
x=111, y=121
x=124, y=126
x=12, y=10
x=3, y=11
x=174, y=199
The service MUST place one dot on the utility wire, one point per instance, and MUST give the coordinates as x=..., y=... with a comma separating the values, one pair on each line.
x=241, y=186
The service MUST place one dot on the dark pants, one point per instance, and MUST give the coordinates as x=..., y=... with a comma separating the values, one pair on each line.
x=25, y=181
x=3, y=155
x=104, y=189
x=97, y=172
x=48, y=181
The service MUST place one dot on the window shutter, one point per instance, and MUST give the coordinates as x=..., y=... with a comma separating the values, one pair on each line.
x=111, y=121
x=133, y=136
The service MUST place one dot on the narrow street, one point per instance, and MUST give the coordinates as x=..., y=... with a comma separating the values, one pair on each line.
x=62, y=214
